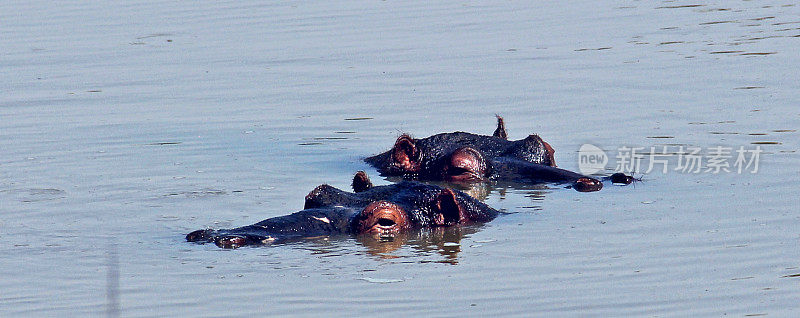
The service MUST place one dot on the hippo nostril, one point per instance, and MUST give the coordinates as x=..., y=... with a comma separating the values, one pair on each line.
x=621, y=178
x=587, y=185
x=230, y=241
x=198, y=236
x=386, y=222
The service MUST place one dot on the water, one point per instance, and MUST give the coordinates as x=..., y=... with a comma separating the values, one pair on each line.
x=126, y=125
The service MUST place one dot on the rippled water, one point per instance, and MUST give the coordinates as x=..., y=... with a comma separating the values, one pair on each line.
x=126, y=125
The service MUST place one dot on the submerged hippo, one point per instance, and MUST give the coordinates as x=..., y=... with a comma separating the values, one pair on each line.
x=466, y=158
x=379, y=211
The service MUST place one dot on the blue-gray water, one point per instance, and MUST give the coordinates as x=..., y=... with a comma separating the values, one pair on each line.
x=123, y=126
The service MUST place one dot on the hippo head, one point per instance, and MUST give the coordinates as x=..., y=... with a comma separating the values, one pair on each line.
x=459, y=161
x=461, y=157
x=378, y=211
x=386, y=219
x=385, y=211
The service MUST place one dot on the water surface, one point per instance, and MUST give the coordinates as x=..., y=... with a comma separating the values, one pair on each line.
x=124, y=126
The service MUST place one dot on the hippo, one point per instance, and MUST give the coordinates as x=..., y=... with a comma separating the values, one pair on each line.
x=464, y=158
x=381, y=212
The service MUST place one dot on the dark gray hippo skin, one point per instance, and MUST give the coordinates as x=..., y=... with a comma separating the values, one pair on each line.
x=466, y=158
x=379, y=211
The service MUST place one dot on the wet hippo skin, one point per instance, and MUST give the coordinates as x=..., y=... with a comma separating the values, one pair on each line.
x=467, y=158
x=379, y=211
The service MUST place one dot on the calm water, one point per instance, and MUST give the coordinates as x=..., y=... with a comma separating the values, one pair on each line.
x=123, y=126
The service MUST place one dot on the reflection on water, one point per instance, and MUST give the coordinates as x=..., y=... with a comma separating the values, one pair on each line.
x=112, y=280
x=419, y=245
x=445, y=241
x=482, y=190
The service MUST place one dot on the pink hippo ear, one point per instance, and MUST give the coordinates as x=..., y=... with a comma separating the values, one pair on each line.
x=447, y=211
x=405, y=154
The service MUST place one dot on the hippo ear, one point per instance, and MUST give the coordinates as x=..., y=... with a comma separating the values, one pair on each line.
x=500, y=132
x=535, y=150
x=316, y=198
x=361, y=182
x=550, y=154
x=405, y=154
x=447, y=211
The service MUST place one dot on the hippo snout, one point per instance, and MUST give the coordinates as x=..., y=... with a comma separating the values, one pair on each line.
x=200, y=236
x=587, y=185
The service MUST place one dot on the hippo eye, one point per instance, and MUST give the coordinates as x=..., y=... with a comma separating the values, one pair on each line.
x=381, y=219
x=455, y=171
x=465, y=165
x=386, y=222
